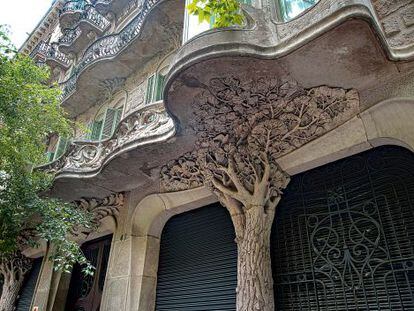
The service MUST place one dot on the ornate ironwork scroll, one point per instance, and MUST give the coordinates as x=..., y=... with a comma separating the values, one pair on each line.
x=343, y=238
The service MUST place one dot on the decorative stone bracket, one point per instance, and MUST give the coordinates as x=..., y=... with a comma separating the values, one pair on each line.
x=242, y=127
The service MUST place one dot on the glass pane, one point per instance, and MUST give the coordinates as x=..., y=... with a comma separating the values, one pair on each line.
x=292, y=8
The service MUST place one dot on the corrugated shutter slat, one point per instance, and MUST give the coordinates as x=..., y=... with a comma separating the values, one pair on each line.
x=198, y=262
x=28, y=288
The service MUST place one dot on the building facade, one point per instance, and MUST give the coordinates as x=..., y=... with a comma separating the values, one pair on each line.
x=263, y=166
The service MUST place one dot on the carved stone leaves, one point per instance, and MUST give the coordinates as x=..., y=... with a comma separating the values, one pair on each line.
x=100, y=209
x=241, y=129
x=248, y=121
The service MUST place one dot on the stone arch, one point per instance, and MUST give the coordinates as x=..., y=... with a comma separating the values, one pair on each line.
x=133, y=287
x=153, y=212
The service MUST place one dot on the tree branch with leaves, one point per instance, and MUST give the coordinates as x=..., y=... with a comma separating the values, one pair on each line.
x=30, y=111
x=217, y=12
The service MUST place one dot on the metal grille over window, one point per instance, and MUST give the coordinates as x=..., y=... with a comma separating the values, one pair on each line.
x=198, y=262
x=343, y=238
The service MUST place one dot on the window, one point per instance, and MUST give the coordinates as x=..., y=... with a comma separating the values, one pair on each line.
x=60, y=147
x=104, y=125
x=193, y=27
x=291, y=8
x=111, y=120
x=155, y=86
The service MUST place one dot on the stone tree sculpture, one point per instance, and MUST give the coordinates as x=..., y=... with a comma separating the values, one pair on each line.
x=242, y=127
x=13, y=268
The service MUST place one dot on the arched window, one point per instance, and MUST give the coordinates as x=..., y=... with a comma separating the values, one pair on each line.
x=289, y=9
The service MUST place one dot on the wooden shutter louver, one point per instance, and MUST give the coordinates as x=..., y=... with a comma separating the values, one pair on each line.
x=96, y=129
x=150, y=89
x=61, y=147
x=108, y=123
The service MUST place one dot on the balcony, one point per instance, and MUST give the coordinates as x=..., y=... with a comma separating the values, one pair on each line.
x=69, y=42
x=119, y=55
x=341, y=45
x=50, y=55
x=136, y=139
x=75, y=39
x=70, y=12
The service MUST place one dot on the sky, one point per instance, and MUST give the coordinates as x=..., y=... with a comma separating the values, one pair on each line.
x=22, y=16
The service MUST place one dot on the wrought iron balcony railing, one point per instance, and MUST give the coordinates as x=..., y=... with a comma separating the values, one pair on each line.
x=147, y=125
x=108, y=47
x=50, y=54
x=69, y=36
x=74, y=12
x=90, y=14
x=72, y=6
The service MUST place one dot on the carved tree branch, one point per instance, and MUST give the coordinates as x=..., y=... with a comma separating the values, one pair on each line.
x=13, y=269
x=242, y=128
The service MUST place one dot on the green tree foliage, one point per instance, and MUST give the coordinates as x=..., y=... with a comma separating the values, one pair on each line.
x=30, y=111
x=224, y=13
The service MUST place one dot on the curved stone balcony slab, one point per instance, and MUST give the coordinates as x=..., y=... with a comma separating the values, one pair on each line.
x=120, y=54
x=76, y=39
x=148, y=125
x=338, y=45
x=70, y=12
x=51, y=55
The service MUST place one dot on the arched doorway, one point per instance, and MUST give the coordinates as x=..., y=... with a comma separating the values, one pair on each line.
x=343, y=237
x=198, y=262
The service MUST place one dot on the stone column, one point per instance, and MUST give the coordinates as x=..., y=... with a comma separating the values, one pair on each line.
x=47, y=285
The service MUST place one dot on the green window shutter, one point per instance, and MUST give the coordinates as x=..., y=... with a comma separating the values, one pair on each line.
x=117, y=117
x=159, y=87
x=61, y=147
x=109, y=123
x=49, y=156
x=150, y=90
x=249, y=2
x=96, y=129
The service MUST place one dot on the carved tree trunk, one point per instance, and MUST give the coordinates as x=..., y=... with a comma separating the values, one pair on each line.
x=255, y=281
x=11, y=288
x=13, y=268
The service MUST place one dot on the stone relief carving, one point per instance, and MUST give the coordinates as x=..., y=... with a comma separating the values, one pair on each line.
x=111, y=86
x=143, y=126
x=242, y=127
x=275, y=114
x=100, y=209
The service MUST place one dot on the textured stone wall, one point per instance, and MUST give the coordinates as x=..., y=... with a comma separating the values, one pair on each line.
x=397, y=19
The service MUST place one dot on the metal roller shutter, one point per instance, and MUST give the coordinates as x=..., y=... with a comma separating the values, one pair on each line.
x=198, y=262
x=343, y=237
x=27, y=291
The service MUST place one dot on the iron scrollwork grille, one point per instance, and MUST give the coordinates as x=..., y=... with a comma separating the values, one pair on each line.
x=343, y=237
